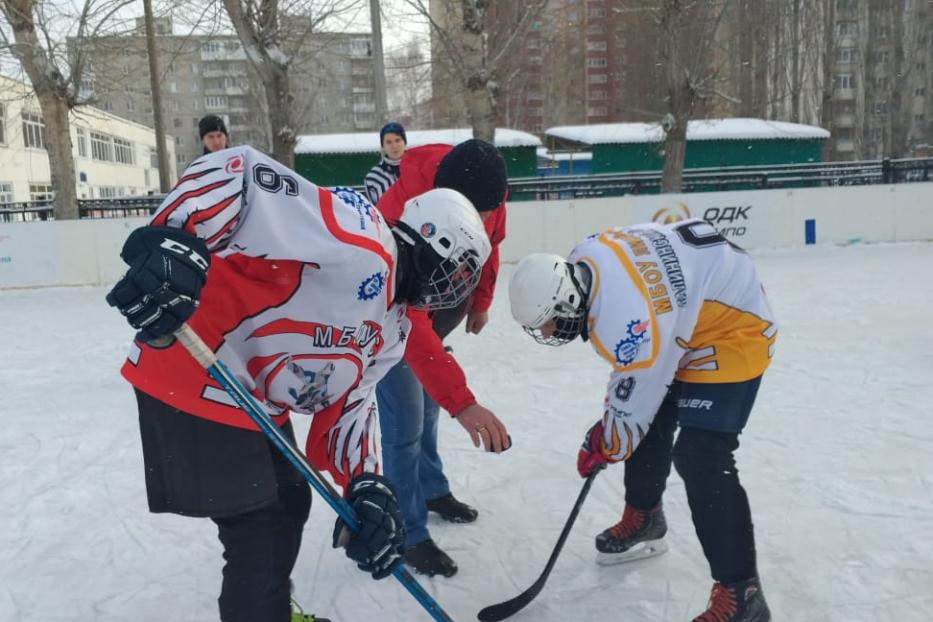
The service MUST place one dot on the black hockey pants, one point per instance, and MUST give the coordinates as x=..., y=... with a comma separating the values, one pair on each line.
x=704, y=460
x=195, y=467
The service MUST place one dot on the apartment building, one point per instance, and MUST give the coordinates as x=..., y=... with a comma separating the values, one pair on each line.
x=332, y=80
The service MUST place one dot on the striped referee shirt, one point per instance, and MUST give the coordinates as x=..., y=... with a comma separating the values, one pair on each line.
x=380, y=178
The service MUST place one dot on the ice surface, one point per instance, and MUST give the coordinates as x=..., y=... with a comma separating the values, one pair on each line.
x=837, y=460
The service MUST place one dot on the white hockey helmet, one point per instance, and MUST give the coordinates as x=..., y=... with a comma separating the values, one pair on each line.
x=449, y=243
x=546, y=299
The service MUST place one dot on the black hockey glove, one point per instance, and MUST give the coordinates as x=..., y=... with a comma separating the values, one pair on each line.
x=377, y=546
x=168, y=268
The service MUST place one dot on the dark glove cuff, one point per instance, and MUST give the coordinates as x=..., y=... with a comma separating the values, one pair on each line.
x=188, y=248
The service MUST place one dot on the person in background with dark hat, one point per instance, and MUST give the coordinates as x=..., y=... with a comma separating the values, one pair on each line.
x=381, y=177
x=213, y=132
x=412, y=393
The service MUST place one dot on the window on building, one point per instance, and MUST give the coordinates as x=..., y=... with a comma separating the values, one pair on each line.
x=2, y=124
x=40, y=192
x=101, y=147
x=597, y=78
x=6, y=192
x=919, y=119
x=181, y=158
x=82, y=142
x=843, y=5
x=107, y=106
x=109, y=192
x=176, y=122
x=535, y=60
x=845, y=81
x=215, y=102
x=180, y=141
x=845, y=55
x=597, y=111
x=919, y=92
x=596, y=62
x=210, y=47
x=153, y=158
x=596, y=46
x=599, y=95
x=881, y=108
x=846, y=28
x=194, y=68
x=123, y=151
x=33, y=131
x=844, y=133
x=596, y=28
x=921, y=66
x=533, y=44
x=596, y=12
x=130, y=105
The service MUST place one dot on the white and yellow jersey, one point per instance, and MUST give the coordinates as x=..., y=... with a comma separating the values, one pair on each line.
x=670, y=302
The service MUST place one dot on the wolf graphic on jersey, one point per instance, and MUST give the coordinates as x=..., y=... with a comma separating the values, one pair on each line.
x=282, y=305
x=675, y=301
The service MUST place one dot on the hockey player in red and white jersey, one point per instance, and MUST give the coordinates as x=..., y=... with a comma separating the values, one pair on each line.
x=681, y=317
x=302, y=292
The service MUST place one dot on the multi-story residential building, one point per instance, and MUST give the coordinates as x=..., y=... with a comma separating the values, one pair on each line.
x=113, y=156
x=332, y=82
x=882, y=76
x=538, y=84
x=862, y=68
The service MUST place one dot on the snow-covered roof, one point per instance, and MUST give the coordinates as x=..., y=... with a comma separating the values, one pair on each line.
x=700, y=129
x=559, y=156
x=368, y=142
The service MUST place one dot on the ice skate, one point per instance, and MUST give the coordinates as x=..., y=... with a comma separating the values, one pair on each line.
x=638, y=535
x=736, y=602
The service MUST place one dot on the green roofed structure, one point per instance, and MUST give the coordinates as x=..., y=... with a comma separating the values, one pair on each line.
x=711, y=143
x=344, y=159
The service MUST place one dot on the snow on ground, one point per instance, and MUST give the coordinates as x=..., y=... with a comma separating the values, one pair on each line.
x=837, y=460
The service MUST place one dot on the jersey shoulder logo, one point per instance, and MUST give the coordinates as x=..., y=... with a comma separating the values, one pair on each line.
x=626, y=350
x=371, y=286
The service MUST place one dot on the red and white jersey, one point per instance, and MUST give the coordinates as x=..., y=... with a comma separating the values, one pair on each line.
x=670, y=302
x=298, y=305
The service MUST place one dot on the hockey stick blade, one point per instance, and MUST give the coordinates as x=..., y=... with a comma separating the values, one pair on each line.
x=501, y=611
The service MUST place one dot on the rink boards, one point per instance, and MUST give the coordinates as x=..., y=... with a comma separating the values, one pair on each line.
x=86, y=252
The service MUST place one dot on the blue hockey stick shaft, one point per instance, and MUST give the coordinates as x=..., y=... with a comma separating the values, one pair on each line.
x=215, y=367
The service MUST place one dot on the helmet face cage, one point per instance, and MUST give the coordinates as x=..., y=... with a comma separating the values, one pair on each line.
x=450, y=281
x=567, y=326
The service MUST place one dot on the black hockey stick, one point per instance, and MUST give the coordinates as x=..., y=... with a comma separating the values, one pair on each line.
x=219, y=372
x=494, y=613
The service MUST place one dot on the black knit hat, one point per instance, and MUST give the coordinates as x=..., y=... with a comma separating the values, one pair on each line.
x=211, y=123
x=392, y=128
x=476, y=170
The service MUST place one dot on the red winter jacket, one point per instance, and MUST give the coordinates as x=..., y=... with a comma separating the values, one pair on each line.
x=438, y=371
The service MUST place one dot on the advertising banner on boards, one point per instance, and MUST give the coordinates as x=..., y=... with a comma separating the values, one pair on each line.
x=741, y=217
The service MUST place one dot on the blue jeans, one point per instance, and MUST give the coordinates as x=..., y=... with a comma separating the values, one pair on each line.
x=408, y=418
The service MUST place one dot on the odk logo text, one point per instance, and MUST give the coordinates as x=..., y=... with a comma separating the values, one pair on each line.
x=731, y=215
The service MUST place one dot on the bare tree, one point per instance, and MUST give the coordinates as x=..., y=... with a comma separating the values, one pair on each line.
x=409, y=76
x=686, y=33
x=38, y=27
x=475, y=37
x=265, y=28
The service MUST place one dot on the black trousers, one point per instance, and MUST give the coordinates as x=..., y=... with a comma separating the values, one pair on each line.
x=704, y=459
x=235, y=477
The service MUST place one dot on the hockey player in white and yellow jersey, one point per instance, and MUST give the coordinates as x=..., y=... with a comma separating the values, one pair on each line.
x=681, y=317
